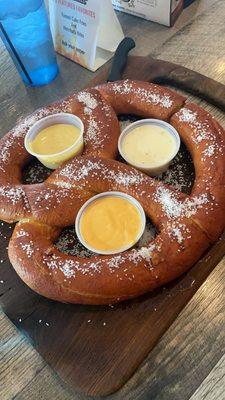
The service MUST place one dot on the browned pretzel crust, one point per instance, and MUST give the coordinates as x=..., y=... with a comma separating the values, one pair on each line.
x=187, y=224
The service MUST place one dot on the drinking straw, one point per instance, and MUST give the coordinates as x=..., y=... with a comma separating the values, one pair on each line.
x=16, y=54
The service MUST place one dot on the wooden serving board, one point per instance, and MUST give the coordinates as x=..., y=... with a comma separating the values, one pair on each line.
x=96, y=349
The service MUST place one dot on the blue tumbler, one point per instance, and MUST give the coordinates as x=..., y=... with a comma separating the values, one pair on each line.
x=25, y=31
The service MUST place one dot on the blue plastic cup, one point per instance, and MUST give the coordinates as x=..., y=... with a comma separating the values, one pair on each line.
x=25, y=31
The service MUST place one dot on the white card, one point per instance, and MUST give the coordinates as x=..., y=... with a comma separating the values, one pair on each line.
x=160, y=11
x=86, y=31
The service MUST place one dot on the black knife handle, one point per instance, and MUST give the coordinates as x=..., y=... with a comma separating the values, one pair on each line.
x=120, y=59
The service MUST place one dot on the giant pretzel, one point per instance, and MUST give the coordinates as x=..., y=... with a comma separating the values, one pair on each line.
x=186, y=224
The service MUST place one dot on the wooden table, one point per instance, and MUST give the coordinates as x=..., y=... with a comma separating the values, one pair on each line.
x=189, y=361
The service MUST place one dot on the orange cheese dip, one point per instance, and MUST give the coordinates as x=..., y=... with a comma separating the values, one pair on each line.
x=110, y=223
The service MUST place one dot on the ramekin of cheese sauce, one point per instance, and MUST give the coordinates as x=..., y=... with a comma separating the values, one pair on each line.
x=149, y=145
x=110, y=222
x=55, y=139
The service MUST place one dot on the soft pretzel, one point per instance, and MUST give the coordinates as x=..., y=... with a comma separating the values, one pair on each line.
x=186, y=224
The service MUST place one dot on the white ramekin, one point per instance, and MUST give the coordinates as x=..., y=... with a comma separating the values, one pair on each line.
x=131, y=199
x=53, y=161
x=156, y=168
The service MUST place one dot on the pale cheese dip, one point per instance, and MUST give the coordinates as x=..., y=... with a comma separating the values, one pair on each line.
x=148, y=145
x=55, y=139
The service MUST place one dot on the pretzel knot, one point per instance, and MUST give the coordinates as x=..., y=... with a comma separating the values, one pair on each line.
x=186, y=224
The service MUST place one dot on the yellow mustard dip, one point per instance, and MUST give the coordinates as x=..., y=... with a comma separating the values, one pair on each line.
x=110, y=223
x=148, y=145
x=54, y=139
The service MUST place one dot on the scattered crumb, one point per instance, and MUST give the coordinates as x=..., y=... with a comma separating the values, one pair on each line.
x=35, y=172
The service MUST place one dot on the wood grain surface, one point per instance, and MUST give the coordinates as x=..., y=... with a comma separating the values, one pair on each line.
x=194, y=343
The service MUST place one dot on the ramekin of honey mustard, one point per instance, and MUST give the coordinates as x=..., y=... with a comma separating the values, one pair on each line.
x=149, y=145
x=110, y=222
x=55, y=139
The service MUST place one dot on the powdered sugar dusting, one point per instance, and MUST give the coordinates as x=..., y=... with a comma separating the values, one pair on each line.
x=193, y=204
x=168, y=199
x=5, y=151
x=92, y=130
x=69, y=267
x=124, y=178
x=28, y=248
x=115, y=262
x=145, y=252
x=87, y=169
x=21, y=233
x=210, y=150
x=81, y=172
x=178, y=231
x=14, y=194
x=201, y=129
x=94, y=133
x=49, y=198
x=173, y=208
x=152, y=96
x=187, y=115
x=89, y=102
x=65, y=185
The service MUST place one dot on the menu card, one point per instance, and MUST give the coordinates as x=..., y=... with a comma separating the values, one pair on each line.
x=162, y=11
x=86, y=31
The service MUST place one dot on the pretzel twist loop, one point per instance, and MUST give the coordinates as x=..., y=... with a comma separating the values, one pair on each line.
x=186, y=224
